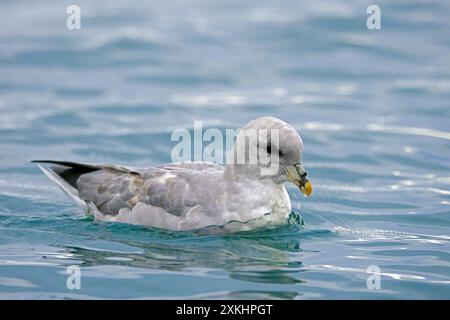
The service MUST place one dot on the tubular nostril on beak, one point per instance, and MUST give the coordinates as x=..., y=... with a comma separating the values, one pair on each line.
x=305, y=184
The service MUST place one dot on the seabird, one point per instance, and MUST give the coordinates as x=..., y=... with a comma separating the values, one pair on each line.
x=193, y=195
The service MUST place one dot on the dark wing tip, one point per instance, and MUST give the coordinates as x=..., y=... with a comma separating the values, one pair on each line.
x=45, y=161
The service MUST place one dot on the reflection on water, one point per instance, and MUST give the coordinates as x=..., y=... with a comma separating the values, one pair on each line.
x=259, y=260
x=263, y=257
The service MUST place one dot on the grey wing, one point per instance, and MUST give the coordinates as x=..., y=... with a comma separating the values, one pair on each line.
x=111, y=190
x=193, y=166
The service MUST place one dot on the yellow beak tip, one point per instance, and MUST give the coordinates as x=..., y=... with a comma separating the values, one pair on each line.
x=307, y=189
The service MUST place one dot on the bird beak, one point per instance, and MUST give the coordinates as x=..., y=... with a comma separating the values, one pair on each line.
x=297, y=175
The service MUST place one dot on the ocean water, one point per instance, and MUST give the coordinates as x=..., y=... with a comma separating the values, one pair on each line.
x=372, y=107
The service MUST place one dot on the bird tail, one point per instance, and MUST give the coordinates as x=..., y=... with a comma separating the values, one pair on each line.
x=64, y=175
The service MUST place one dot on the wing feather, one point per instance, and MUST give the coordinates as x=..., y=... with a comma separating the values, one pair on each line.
x=111, y=190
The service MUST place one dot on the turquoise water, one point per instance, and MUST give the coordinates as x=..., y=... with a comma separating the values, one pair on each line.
x=372, y=108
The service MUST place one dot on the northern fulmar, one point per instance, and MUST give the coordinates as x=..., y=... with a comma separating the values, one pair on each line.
x=196, y=194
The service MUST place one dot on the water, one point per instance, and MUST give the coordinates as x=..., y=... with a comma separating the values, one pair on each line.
x=372, y=108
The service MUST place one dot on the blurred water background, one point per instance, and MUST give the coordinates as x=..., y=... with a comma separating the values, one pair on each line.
x=372, y=107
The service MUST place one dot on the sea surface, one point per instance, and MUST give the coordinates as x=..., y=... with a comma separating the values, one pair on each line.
x=372, y=106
